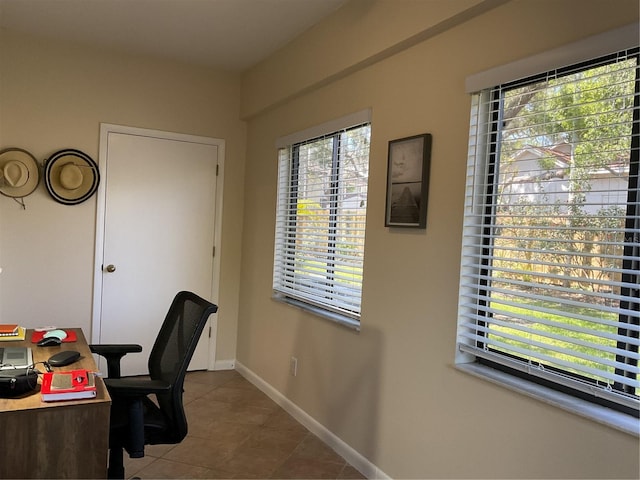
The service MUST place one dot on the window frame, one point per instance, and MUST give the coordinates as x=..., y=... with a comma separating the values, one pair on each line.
x=514, y=376
x=289, y=158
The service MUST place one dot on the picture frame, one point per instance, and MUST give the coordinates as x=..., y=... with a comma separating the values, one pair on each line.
x=409, y=162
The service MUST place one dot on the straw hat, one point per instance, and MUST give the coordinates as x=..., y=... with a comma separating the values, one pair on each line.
x=71, y=176
x=19, y=173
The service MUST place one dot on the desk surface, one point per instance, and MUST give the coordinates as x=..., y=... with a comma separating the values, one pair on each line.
x=40, y=354
x=67, y=439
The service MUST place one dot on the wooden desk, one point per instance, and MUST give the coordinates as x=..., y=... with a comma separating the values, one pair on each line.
x=66, y=439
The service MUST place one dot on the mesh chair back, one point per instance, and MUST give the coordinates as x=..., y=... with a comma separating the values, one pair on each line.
x=172, y=352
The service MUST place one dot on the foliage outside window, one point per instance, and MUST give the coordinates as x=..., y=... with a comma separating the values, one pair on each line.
x=320, y=224
x=551, y=249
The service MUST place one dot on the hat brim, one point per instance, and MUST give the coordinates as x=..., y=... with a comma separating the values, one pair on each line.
x=90, y=177
x=20, y=155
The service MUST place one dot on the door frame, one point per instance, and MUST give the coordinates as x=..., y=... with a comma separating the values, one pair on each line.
x=105, y=130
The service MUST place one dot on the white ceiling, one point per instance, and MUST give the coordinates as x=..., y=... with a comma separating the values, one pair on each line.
x=227, y=34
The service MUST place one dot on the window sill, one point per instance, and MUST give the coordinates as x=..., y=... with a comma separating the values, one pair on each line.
x=334, y=317
x=597, y=413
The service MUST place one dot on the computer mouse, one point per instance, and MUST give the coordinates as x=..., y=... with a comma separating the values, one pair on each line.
x=49, y=342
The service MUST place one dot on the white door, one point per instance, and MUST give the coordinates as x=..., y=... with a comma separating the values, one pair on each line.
x=158, y=215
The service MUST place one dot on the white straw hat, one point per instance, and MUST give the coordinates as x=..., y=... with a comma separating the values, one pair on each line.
x=19, y=173
x=71, y=176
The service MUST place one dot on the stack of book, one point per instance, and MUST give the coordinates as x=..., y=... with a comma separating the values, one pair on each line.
x=9, y=332
x=71, y=385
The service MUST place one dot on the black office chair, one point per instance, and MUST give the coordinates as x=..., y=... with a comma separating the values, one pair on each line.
x=136, y=420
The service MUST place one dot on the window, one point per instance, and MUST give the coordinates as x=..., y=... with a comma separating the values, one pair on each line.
x=320, y=223
x=551, y=250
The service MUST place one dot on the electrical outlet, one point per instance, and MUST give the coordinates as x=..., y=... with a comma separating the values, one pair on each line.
x=293, y=366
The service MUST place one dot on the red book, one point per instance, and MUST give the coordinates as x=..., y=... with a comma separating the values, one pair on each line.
x=71, y=385
x=8, y=329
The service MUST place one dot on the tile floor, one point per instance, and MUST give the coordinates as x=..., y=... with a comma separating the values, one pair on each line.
x=236, y=431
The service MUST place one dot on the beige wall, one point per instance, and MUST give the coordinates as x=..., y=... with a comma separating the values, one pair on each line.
x=55, y=95
x=390, y=391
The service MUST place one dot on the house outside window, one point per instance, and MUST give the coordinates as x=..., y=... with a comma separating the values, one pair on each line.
x=320, y=222
x=550, y=273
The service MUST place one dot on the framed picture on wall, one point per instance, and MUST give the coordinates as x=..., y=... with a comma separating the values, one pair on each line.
x=408, y=181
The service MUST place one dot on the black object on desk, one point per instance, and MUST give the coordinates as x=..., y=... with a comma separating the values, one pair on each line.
x=17, y=381
x=49, y=342
x=66, y=357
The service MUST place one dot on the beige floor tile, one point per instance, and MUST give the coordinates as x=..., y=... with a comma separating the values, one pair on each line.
x=306, y=468
x=161, y=469
x=234, y=395
x=193, y=390
x=281, y=420
x=134, y=465
x=282, y=440
x=255, y=462
x=233, y=434
x=314, y=448
x=217, y=378
x=204, y=452
x=240, y=382
x=245, y=414
x=204, y=409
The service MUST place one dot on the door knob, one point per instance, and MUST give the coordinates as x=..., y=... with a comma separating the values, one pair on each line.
x=111, y=268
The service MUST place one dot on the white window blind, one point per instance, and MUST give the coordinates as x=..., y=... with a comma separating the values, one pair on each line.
x=320, y=222
x=551, y=241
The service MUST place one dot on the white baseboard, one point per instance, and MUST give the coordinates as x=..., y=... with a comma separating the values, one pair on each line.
x=224, y=365
x=359, y=462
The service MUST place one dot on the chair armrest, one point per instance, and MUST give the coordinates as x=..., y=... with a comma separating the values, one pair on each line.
x=109, y=348
x=135, y=387
x=113, y=353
